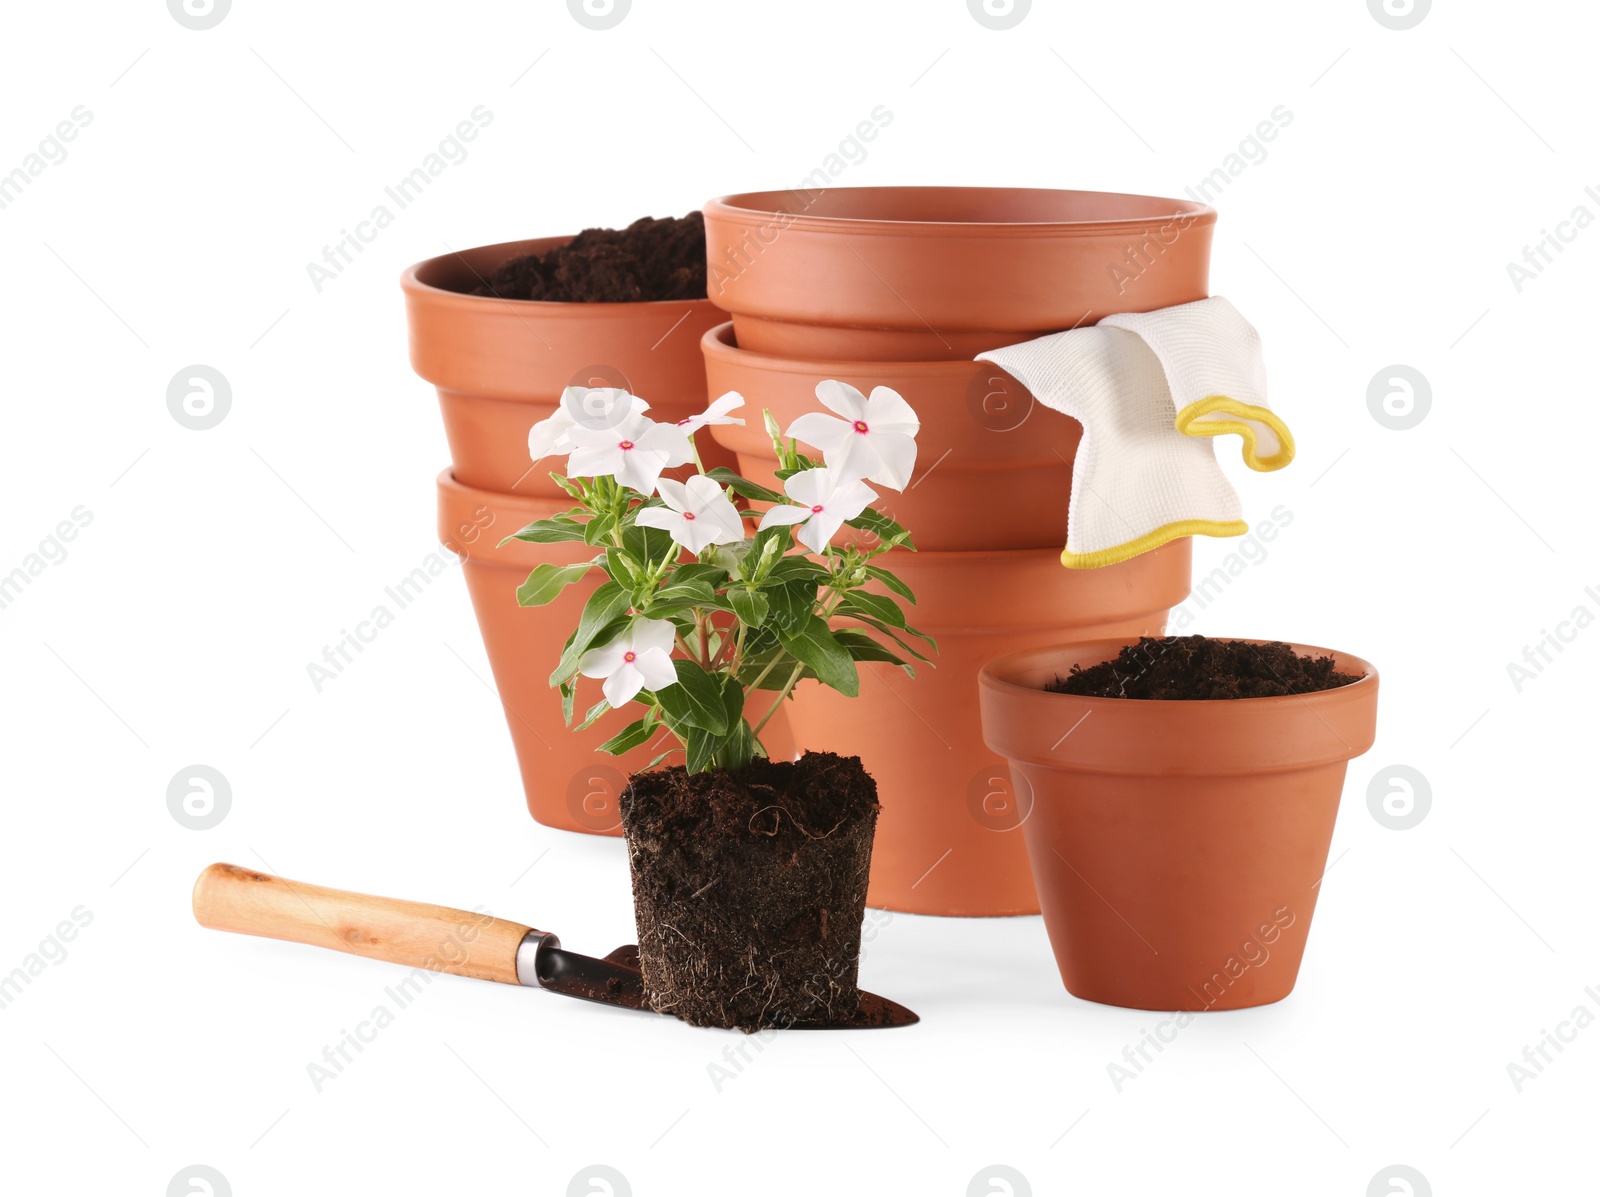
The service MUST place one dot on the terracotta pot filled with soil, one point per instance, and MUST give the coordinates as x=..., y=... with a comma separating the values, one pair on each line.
x=502, y=330
x=985, y=445
x=949, y=840
x=567, y=783
x=919, y=273
x=749, y=889
x=1183, y=795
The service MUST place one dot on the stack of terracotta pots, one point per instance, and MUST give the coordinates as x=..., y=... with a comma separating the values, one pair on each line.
x=901, y=287
x=500, y=367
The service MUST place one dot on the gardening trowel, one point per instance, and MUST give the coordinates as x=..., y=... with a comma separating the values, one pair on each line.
x=440, y=939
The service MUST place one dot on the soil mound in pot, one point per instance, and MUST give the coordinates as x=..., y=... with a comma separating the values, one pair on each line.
x=748, y=889
x=1197, y=667
x=649, y=260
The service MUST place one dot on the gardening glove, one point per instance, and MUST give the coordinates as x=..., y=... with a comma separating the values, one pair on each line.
x=1150, y=390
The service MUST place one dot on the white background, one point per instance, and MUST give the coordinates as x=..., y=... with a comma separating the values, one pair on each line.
x=1376, y=231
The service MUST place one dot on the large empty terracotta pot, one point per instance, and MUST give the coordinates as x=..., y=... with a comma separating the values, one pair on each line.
x=914, y=273
x=567, y=783
x=948, y=839
x=1178, y=847
x=994, y=468
x=500, y=365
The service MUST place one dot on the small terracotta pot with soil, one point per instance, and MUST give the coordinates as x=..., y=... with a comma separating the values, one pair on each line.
x=749, y=889
x=502, y=330
x=1183, y=795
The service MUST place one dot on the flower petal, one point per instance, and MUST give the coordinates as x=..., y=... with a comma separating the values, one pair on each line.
x=824, y=432
x=843, y=398
x=659, y=517
x=887, y=411
x=648, y=635
x=668, y=439
x=811, y=486
x=856, y=458
x=675, y=495
x=851, y=499
x=819, y=530
x=656, y=668
x=622, y=685
x=606, y=659
x=600, y=407
x=897, y=457
x=594, y=461
x=784, y=514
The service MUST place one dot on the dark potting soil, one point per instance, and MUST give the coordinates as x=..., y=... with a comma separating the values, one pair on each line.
x=1197, y=667
x=650, y=259
x=748, y=889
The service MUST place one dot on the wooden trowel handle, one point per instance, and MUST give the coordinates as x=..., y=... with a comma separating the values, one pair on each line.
x=438, y=938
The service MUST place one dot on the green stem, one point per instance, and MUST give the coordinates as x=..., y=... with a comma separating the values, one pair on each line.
x=789, y=685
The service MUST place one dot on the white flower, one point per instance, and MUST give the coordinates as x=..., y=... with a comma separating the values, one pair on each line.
x=697, y=513
x=595, y=407
x=875, y=440
x=634, y=451
x=641, y=656
x=824, y=500
x=717, y=413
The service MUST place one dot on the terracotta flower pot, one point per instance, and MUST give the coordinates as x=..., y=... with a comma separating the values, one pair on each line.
x=567, y=783
x=1177, y=846
x=916, y=273
x=985, y=447
x=500, y=365
x=948, y=839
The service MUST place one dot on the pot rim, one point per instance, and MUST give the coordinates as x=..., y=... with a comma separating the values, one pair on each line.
x=720, y=342
x=412, y=284
x=745, y=208
x=991, y=675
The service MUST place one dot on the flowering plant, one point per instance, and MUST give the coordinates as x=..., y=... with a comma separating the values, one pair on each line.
x=696, y=616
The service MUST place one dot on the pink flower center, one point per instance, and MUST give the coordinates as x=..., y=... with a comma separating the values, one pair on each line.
x=688, y=515
x=630, y=657
x=816, y=508
x=860, y=426
x=625, y=446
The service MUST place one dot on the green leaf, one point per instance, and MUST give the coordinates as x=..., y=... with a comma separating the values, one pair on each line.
x=796, y=569
x=569, y=695
x=744, y=487
x=635, y=735
x=647, y=544
x=695, y=702
x=598, y=530
x=555, y=530
x=863, y=647
x=749, y=605
x=815, y=645
x=696, y=573
x=738, y=747
x=791, y=604
x=730, y=558
x=700, y=746
x=599, y=709
x=732, y=701
x=890, y=581
x=622, y=567
x=602, y=617
x=893, y=635
x=886, y=530
x=755, y=664
x=767, y=548
x=877, y=606
x=546, y=581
